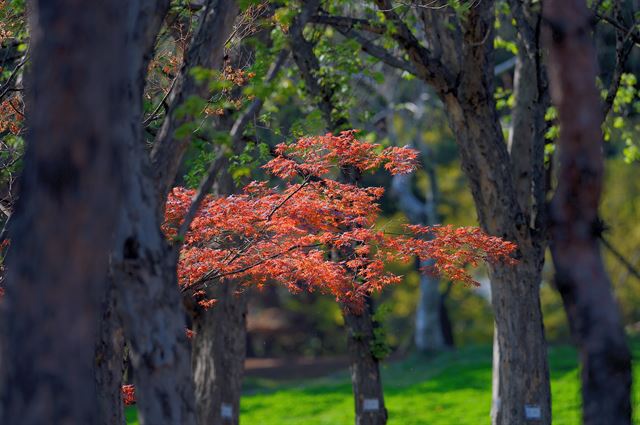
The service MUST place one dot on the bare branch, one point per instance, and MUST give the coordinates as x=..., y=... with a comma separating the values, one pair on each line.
x=630, y=267
x=377, y=51
x=428, y=68
x=347, y=22
x=221, y=160
x=7, y=86
x=623, y=50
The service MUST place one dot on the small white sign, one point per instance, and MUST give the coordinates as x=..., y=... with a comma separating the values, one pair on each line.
x=371, y=405
x=226, y=411
x=532, y=411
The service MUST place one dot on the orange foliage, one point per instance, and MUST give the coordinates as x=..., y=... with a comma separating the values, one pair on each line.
x=291, y=236
x=128, y=394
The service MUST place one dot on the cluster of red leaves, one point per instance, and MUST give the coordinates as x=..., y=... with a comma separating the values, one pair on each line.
x=316, y=156
x=189, y=333
x=128, y=395
x=317, y=233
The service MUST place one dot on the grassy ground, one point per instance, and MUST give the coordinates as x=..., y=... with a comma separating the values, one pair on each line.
x=450, y=389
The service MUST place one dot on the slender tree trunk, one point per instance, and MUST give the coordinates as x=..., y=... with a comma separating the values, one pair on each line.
x=581, y=277
x=219, y=348
x=109, y=362
x=365, y=368
x=71, y=189
x=429, y=336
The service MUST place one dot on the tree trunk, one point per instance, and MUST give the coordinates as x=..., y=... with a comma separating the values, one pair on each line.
x=71, y=189
x=581, y=277
x=219, y=348
x=109, y=362
x=521, y=387
x=522, y=375
x=206, y=51
x=145, y=273
x=459, y=65
x=429, y=336
x=144, y=265
x=365, y=368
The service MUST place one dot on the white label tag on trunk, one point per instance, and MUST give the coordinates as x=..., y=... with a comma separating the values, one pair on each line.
x=226, y=411
x=370, y=405
x=532, y=411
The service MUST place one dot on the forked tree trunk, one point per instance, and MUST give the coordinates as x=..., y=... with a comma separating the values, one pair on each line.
x=144, y=268
x=219, y=348
x=521, y=385
x=365, y=368
x=72, y=186
x=459, y=64
x=581, y=277
x=144, y=265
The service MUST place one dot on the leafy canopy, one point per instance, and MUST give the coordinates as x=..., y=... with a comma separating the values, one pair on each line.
x=317, y=234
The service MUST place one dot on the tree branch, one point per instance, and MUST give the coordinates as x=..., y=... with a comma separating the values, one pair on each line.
x=6, y=87
x=377, y=51
x=630, y=267
x=428, y=68
x=347, y=22
x=623, y=50
x=221, y=160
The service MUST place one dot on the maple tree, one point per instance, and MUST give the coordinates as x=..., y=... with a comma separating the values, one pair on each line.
x=287, y=235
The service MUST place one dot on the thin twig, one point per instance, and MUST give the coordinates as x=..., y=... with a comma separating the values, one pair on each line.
x=221, y=161
x=212, y=275
x=154, y=115
x=630, y=267
x=6, y=87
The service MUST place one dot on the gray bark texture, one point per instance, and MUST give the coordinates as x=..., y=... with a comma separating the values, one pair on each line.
x=365, y=368
x=72, y=186
x=109, y=361
x=219, y=348
x=460, y=67
x=143, y=264
x=581, y=278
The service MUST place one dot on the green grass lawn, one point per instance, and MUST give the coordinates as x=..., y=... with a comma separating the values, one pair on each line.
x=450, y=389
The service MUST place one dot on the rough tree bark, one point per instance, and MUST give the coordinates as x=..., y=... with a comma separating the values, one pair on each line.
x=365, y=369
x=460, y=68
x=72, y=186
x=144, y=265
x=109, y=358
x=581, y=277
x=219, y=349
x=457, y=62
